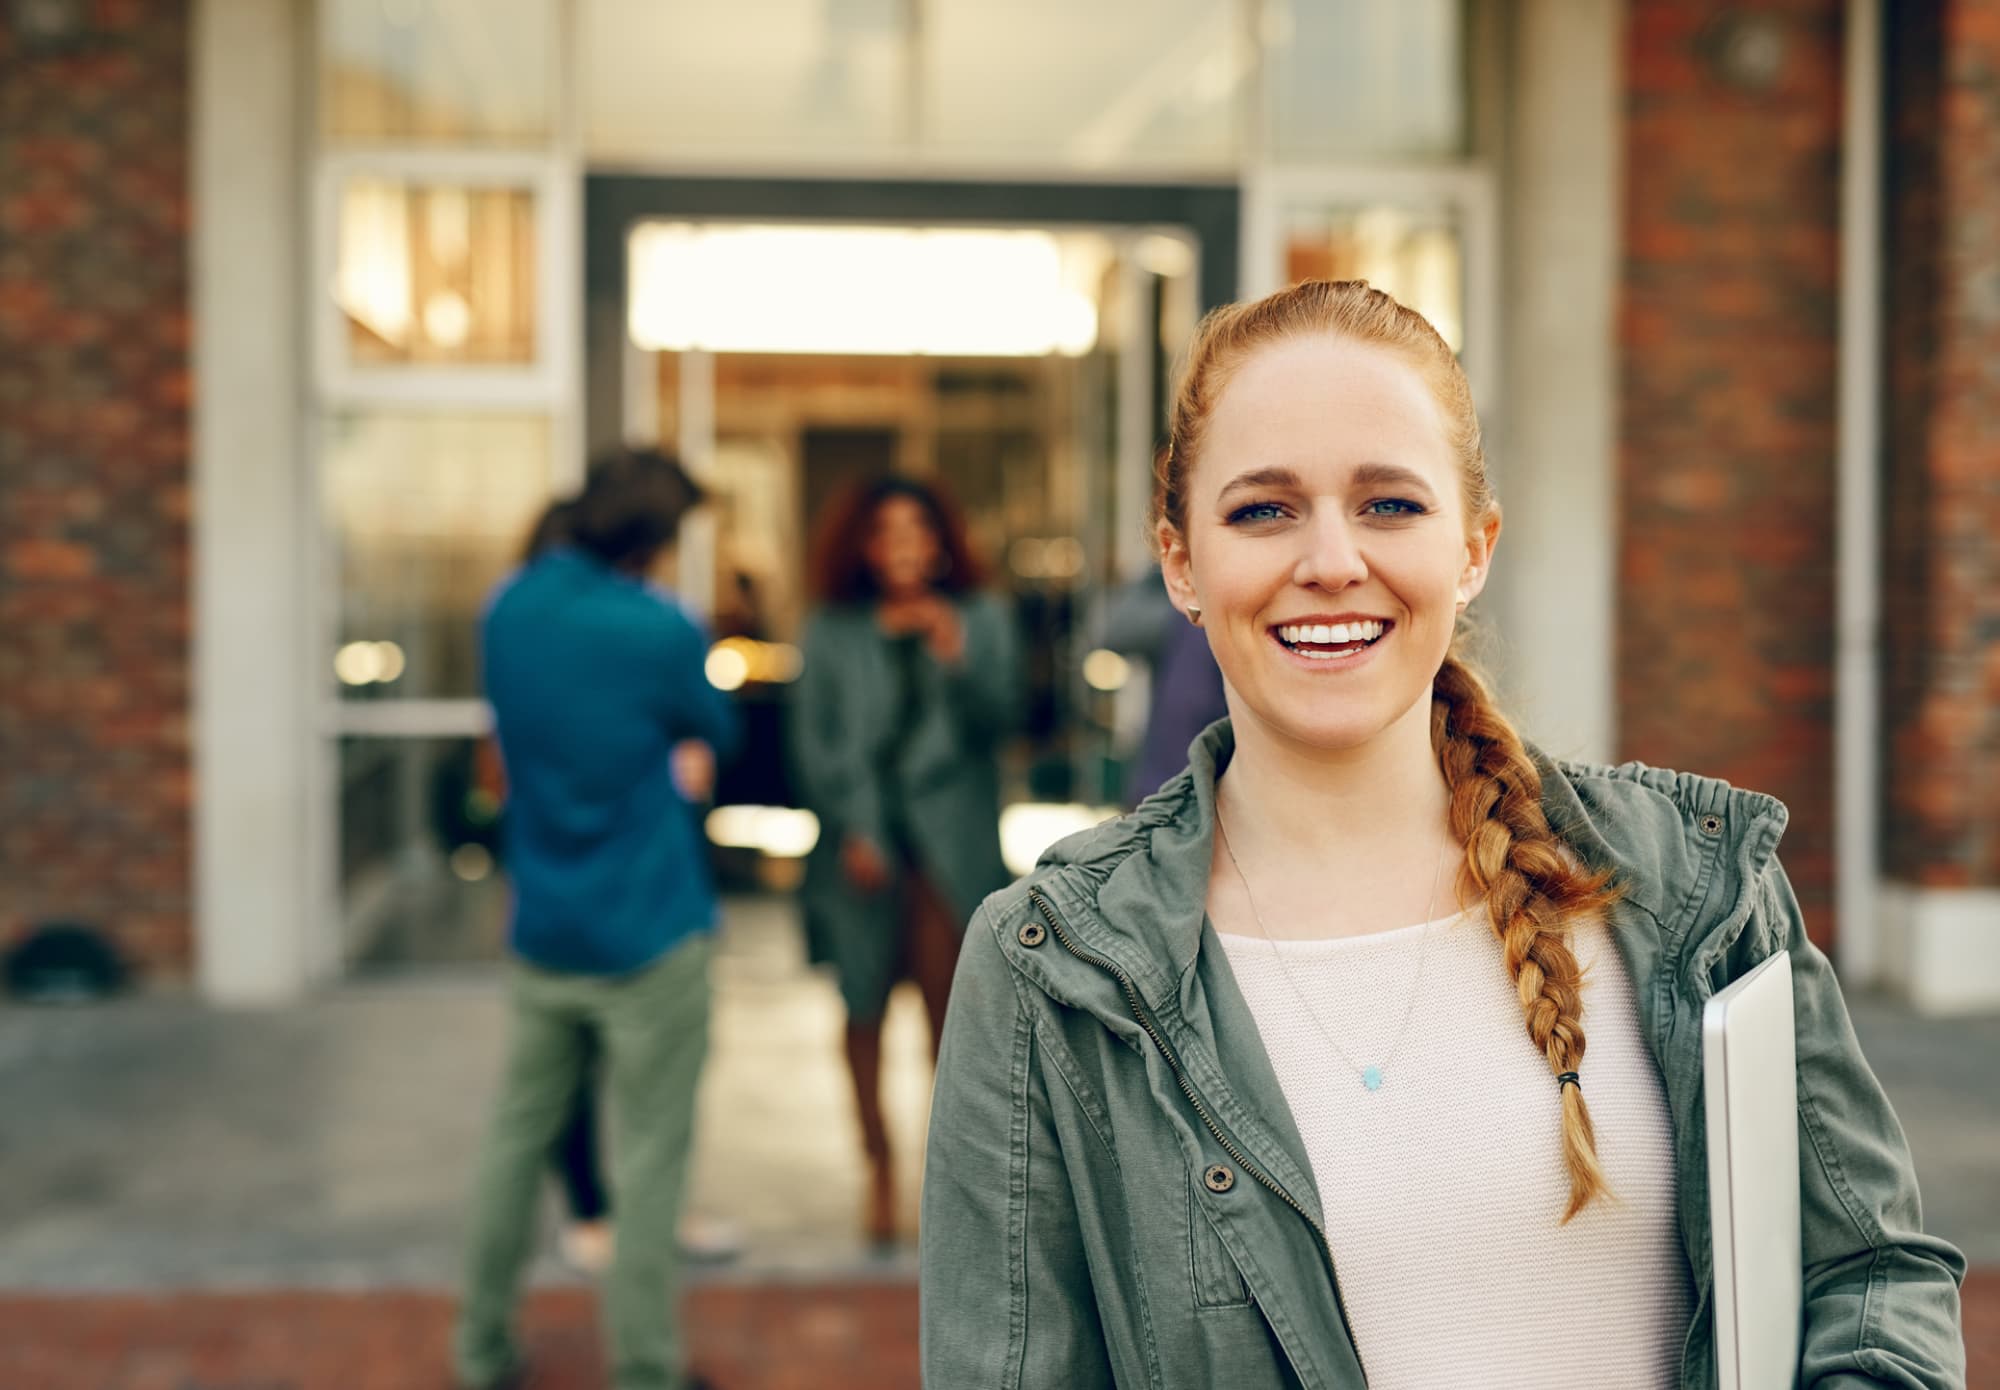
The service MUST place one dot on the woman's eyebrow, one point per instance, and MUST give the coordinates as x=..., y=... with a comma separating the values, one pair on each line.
x=1260, y=477
x=1390, y=475
x=1366, y=475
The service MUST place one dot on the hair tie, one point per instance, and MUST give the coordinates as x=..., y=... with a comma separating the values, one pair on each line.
x=1568, y=1078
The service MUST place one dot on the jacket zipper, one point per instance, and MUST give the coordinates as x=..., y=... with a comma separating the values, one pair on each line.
x=1229, y=1146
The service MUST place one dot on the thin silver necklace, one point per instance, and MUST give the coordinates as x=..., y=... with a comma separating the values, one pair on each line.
x=1373, y=1075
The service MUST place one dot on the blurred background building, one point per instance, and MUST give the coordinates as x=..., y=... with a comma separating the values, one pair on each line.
x=307, y=308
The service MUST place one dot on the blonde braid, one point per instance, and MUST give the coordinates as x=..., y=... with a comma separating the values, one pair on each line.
x=1532, y=889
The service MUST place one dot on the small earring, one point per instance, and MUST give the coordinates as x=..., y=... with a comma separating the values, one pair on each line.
x=1194, y=614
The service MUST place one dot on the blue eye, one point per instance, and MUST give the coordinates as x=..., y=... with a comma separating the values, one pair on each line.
x=1394, y=506
x=1256, y=511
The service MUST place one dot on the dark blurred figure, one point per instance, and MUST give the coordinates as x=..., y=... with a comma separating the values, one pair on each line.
x=596, y=677
x=551, y=529
x=1186, y=693
x=910, y=681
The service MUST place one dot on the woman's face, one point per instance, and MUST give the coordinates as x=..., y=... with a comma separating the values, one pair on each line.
x=1326, y=541
x=902, y=550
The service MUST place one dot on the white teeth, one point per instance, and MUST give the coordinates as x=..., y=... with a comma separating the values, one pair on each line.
x=1335, y=634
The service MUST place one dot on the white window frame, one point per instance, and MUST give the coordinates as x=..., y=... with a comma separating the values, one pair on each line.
x=549, y=386
x=542, y=383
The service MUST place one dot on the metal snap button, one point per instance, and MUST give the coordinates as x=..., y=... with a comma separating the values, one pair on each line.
x=1711, y=824
x=1033, y=934
x=1217, y=1178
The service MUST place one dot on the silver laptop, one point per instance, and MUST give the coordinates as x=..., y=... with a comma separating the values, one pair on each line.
x=1750, y=1071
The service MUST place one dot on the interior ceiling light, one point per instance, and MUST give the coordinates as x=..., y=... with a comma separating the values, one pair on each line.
x=892, y=291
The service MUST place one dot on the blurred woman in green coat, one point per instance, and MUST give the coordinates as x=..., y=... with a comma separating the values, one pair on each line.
x=910, y=682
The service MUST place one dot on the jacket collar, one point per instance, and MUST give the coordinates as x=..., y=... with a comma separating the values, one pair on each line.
x=1687, y=853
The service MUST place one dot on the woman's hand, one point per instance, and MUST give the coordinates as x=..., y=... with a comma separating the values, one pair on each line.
x=864, y=864
x=931, y=616
x=945, y=635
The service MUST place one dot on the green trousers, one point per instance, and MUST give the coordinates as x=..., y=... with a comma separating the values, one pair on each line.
x=653, y=1029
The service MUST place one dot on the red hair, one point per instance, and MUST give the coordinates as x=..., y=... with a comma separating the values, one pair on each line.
x=840, y=570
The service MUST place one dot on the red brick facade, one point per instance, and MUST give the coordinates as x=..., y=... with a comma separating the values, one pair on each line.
x=94, y=475
x=1942, y=493
x=1727, y=405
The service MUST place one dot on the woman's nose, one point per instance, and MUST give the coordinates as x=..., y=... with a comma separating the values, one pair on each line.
x=1331, y=558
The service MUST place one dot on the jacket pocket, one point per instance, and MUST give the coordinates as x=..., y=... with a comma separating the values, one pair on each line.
x=1212, y=1270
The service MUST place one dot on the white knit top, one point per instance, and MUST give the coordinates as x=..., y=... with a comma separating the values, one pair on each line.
x=1442, y=1189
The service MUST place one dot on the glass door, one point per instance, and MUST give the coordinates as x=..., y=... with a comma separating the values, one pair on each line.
x=1036, y=408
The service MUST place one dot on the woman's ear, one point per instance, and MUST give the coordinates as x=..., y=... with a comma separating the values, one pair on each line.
x=1479, y=547
x=1176, y=570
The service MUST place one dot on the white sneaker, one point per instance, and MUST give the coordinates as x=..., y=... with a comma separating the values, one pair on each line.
x=706, y=1237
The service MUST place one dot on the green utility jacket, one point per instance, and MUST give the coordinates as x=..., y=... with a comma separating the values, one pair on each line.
x=1101, y=1078
x=856, y=747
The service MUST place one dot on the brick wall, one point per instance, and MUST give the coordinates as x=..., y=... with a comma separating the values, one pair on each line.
x=1728, y=327
x=94, y=660
x=1942, y=509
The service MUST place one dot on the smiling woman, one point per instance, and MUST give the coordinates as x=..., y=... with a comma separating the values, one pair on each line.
x=1247, y=1080
x=1324, y=488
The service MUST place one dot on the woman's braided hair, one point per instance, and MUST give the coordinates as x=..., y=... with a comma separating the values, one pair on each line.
x=1514, y=860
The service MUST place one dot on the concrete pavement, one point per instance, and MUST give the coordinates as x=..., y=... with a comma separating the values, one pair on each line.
x=303, y=1172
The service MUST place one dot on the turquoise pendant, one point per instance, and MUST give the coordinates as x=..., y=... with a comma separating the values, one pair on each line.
x=1371, y=1077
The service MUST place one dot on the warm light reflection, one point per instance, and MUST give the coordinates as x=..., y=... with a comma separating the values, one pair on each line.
x=1033, y=557
x=876, y=290
x=778, y=831
x=735, y=661
x=369, y=663
x=1104, y=669
x=472, y=862
x=1031, y=827
x=1163, y=255
x=447, y=319
x=373, y=280
x=726, y=668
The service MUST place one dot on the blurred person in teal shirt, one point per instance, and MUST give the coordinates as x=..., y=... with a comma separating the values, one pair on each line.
x=597, y=685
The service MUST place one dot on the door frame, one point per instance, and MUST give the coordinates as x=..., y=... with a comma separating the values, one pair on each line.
x=613, y=203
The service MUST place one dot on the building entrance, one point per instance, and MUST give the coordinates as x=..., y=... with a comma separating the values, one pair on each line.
x=1021, y=368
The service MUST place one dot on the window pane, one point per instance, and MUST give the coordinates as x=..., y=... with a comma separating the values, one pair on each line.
x=773, y=79
x=851, y=81
x=1357, y=78
x=427, y=514
x=1417, y=255
x=458, y=71
x=1119, y=83
x=435, y=275
x=419, y=852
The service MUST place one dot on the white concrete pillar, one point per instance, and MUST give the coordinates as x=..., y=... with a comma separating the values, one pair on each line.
x=251, y=744
x=1554, y=586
